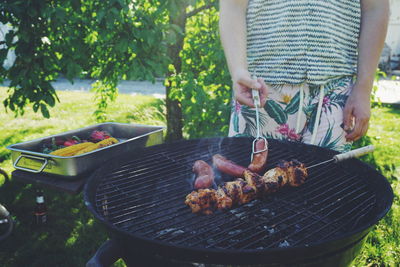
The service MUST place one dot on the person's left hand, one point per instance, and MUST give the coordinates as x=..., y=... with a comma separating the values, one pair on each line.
x=356, y=113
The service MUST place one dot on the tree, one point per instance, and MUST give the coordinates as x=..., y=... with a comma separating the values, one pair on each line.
x=114, y=40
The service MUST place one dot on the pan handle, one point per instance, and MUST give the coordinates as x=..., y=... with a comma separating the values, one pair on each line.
x=45, y=161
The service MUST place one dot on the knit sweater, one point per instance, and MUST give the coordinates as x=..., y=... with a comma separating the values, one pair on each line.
x=302, y=41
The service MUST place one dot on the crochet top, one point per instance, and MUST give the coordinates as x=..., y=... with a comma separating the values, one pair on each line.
x=302, y=41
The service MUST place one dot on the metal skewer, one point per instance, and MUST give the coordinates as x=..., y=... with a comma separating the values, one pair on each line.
x=348, y=155
x=257, y=103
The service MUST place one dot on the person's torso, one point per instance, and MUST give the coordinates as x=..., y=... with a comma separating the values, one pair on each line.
x=296, y=41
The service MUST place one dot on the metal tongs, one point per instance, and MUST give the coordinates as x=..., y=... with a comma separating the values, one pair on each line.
x=257, y=103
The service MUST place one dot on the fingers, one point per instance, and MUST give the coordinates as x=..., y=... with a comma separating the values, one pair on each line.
x=248, y=82
x=348, y=117
x=263, y=91
x=360, y=128
x=356, y=112
x=243, y=90
x=245, y=100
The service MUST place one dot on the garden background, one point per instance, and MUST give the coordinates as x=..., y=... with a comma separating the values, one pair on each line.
x=109, y=41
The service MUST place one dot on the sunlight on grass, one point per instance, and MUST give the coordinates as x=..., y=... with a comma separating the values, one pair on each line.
x=74, y=236
x=74, y=111
x=383, y=244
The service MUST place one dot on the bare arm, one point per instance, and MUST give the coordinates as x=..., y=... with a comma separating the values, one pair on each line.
x=374, y=21
x=232, y=25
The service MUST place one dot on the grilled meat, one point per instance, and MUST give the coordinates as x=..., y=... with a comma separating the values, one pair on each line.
x=239, y=191
x=202, y=200
x=291, y=173
x=223, y=199
x=204, y=175
x=227, y=166
x=287, y=173
x=296, y=171
x=255, y=181
x=259, y=160
x=248, y=193
x=274, y=179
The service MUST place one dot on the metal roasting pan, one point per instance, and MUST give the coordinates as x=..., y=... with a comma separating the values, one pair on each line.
x=25, y=155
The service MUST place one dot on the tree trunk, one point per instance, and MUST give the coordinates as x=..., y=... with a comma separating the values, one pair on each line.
x=174, y=118
x=174, y=108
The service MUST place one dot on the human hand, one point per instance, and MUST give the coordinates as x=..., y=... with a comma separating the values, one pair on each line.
x=242, y=86
x=356, y=113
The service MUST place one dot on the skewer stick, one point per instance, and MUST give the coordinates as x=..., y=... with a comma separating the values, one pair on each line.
x=348, y=155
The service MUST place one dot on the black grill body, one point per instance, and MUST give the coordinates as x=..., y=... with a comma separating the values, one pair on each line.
x=141, y=201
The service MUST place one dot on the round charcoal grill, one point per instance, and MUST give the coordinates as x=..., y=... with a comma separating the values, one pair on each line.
x=141, y=200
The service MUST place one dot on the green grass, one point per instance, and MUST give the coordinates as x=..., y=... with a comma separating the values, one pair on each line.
x=383, y=244
x=72, y=235
x=74, y=111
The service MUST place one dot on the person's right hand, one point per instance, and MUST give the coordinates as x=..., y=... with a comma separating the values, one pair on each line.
x=242, y=86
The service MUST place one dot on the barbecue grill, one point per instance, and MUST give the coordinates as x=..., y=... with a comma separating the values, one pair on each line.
x=324, y=222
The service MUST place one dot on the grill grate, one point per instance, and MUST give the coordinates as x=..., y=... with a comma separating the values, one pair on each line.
x=145, y=197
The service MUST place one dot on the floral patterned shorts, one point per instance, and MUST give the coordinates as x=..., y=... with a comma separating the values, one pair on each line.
x=319, y=121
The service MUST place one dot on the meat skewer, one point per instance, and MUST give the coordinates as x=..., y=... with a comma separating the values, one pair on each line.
x=202, y=201
x=287, y=173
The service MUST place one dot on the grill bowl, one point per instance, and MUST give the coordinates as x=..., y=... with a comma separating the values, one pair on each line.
x=140, y=200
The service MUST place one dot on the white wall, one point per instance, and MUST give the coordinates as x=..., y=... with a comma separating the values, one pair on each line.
x=393, y=35
x=11, y=54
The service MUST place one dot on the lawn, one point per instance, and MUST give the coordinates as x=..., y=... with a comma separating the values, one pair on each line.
x=72, y=235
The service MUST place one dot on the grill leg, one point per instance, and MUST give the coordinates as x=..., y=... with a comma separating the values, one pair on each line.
x=106, y=255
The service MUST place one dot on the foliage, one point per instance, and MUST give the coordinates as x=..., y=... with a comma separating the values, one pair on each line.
x=203, y=86
x=114, y=40
x=109, y=40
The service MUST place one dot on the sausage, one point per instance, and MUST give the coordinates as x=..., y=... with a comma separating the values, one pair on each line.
x=259, y=161
x=204, y=175
x=227, y=166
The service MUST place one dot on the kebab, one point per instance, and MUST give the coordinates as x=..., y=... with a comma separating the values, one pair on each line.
x=287, y=173
x=241, y=191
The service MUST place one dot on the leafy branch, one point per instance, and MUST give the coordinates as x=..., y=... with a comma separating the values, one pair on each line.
x=198, y=10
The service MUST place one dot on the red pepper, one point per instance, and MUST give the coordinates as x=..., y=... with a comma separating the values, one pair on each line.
x=70, y=142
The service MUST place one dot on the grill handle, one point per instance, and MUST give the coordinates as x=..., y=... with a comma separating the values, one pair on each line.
x=354, y=153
